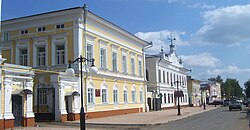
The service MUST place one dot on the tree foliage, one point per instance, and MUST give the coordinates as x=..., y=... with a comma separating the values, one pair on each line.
x=247, y=88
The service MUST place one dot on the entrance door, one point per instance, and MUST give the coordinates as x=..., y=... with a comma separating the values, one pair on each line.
x=17, y=109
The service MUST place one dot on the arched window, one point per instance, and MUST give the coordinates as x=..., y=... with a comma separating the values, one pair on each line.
x=115, y=94
x=90, y=94
x=104, y=93
x=133, y=95
x=141, y=95
x=125, y=95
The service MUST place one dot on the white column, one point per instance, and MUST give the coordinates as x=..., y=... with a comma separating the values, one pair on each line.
x=7, y=99
x=29, y=101
x=62, y=108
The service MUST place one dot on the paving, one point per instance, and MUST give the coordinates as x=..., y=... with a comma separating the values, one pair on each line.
x=137, y=119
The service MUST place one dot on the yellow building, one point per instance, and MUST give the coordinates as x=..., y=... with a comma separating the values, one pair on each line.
x=194, y=92
x=47, y=41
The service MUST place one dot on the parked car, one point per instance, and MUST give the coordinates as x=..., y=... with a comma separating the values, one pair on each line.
x=240, y=101
x=226, y=102
x=235, y=105
x=216, y=102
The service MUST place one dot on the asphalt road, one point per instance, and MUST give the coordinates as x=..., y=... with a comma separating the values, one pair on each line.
x=218, y=119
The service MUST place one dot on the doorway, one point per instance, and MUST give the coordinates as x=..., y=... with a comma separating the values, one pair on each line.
x=17, y=109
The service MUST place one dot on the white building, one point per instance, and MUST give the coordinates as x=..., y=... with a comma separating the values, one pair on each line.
x=213, y=91
x=165, y=72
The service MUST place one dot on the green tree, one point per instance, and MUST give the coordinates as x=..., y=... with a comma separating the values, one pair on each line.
x=232, y=88
x=247, y=88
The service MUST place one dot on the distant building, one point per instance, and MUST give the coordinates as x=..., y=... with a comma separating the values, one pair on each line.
x=213, y=91
x=165, y=71
x=194, y=92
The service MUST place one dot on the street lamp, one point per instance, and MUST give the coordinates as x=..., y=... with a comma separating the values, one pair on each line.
x=178, y=93
x=70, y=71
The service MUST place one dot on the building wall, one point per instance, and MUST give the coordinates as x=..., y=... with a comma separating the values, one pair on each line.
x=100, y=34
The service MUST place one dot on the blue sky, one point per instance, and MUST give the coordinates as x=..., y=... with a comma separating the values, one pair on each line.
x=212, y=36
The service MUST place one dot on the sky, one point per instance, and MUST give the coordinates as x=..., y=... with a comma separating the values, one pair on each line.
x=212, y=36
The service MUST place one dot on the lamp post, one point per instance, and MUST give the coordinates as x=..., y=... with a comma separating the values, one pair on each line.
x=70, y=71
x=178, y=99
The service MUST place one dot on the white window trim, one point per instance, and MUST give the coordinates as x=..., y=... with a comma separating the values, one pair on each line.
x=140, y=59
x=22, y=44
x=124, y=53
x=91, y=87
x=114, y=49
x=59, y=39
x=38, y=42
x=141, y=90
x=133, y=90
x=125, y=89
x=116, y=88
x=104, y=87
x=103, y=45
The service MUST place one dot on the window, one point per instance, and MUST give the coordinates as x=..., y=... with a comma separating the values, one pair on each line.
x=172, y=98
x=167, y=78
x=104, y=95
x=23, y=57
x=115, y=95
x=41, y=56
x=159, y=76
x=89, y=52
x=90, y=95
x=164, y=80
x=124, y=64
x=24, y=31
x=125, y=95
x=6, y=36
x=133, y=95
x=140, y=68
x=168, y=98
x=59, y=26
x=165, y=98
x=141, y=96
x=60, y=54
x=171, y=79
x=41, y=29
x=132, y=66
x=114, y=61
x=103, y=58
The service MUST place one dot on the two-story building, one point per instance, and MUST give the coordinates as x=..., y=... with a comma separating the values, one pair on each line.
x=166, y=75
x=48, y=40
x=213, y=91
x=194, y=92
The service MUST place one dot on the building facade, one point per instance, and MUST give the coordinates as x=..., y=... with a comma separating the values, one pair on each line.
x=166, y=75
x=213, y=91
x=194, y=92
x=16, y=93
x=47, y=41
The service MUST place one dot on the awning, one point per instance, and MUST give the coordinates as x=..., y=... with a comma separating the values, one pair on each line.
x=22, y=92
x=74, y=93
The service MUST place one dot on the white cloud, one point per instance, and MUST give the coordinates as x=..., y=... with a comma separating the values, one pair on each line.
x=200, y=60
x=202, y=6
x=161, y=38
x=228, y=70
x=228, y=25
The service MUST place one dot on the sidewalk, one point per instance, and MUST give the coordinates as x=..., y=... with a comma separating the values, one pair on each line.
x=138, y=119
x=147, y=118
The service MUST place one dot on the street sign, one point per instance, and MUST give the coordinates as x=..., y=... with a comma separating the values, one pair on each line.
x=178, y=93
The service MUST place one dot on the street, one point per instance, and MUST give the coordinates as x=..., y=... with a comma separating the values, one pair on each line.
x=218, y=119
